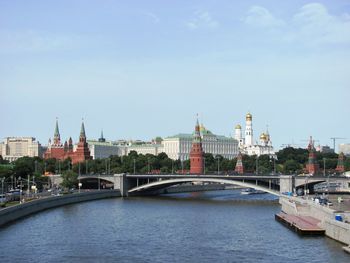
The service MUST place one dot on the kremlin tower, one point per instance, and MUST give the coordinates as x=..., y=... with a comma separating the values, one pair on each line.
x=340, y=166
x=239, y=165
x=197, y=154
x=61, y=151
x=82, y=152
x=312, y=166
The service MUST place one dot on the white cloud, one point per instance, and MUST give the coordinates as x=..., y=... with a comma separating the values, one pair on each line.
x=312, y=24
x=202, y=19
x=155, y=19
x=315, y=24
x=261, y=17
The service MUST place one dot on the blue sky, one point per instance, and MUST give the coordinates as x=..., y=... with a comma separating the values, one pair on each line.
x=140, y=69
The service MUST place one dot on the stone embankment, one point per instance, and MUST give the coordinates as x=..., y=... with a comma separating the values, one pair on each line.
x=338, y=230
x=13, y=213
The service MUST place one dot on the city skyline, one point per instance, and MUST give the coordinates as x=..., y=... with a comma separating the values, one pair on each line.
x=140, y=70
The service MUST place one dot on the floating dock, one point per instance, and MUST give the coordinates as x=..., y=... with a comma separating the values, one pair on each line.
x=303, y=225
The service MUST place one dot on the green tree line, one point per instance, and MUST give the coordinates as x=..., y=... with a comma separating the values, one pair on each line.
x=288, y=161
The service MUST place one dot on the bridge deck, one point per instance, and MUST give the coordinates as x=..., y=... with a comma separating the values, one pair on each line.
x=304, y=225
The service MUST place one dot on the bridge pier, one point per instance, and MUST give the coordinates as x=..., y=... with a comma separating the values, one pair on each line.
x=287, y=183
x=121, y=183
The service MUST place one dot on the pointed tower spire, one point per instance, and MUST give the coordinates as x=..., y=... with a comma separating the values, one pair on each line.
x=57, y=136
x=82, y=136
x=101, y=139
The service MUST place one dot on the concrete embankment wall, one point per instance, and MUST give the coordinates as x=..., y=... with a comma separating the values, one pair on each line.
x=337, y=230
x=10, y=214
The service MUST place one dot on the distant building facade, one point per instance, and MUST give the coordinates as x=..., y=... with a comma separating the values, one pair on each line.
x=345, y=148
x=100, y=149
x=13, y=148
x=179, y=146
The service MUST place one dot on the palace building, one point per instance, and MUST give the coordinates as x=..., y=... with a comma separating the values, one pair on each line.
x=61, y=151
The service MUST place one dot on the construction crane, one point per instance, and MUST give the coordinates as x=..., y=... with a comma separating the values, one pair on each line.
x=334, y=139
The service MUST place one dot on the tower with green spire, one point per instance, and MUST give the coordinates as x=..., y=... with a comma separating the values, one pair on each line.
x=82, y=152
x=57, y=136
x=197, y=154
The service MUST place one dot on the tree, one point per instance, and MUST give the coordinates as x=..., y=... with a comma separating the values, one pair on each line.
x=69, y=179
x=291, y=166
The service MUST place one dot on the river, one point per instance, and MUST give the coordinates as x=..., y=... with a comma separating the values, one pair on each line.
x=216, y=226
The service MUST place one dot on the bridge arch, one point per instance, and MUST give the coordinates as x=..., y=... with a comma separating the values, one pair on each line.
x=170, y=182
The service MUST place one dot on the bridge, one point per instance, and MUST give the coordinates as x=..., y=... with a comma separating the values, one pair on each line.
x=142, y=184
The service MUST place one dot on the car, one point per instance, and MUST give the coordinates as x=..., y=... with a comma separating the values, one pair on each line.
x=2, y=198
x=13, y=195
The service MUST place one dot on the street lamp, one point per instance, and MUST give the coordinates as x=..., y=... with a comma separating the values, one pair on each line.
x=20, y=190
x=204, y=164
x=79, y=185
x=134, y=166
x=2, y=190
x=257, y=164
x=218, y=164
x=324, y=167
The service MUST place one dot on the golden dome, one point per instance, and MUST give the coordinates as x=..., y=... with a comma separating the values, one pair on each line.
x=238, y=126
x=263, y=137
x=248, y=116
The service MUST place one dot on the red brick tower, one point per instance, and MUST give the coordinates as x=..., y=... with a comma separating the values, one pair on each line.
x=312, y=166
x=196, y=154
x=55, y=149
x=340, y=166
x=82, y=152
x=239, y=164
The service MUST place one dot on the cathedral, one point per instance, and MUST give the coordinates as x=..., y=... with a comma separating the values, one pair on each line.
x=61, y=151
x=247, y=145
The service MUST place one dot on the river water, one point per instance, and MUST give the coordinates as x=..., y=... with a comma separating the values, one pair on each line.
x=217, y=226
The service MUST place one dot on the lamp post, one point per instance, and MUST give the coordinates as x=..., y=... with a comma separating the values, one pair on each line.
x=79, y=185
x=28, y=185
x=218, y=164
x=2, y=190
x=257, y=164
x=172, y=166
x=20, y=190
x=324, y=167
x=99, y=182
x=134, y=166
x=204, y=164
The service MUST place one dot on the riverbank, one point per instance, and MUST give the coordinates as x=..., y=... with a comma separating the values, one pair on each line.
x=337, y=230
x=10, y=214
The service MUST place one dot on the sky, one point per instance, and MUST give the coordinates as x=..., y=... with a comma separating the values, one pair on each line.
x=141, y=69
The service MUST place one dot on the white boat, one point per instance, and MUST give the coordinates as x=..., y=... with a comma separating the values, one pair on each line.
x=251, y=191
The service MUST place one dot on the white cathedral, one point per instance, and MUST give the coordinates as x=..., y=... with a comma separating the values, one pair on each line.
x=247, y=146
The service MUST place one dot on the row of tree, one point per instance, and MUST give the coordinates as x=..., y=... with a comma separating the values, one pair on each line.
x=288, y=161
